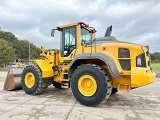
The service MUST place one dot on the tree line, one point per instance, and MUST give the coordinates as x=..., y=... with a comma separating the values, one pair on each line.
x=155, y=57
x=12, y=48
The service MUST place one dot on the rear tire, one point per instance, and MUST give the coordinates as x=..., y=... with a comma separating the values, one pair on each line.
x=90, y=84
x=32, y=80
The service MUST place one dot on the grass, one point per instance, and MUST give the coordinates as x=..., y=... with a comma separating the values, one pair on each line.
x=155, y=65
x=3, y=69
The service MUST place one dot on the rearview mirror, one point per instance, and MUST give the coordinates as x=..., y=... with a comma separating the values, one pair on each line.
x=52, y=32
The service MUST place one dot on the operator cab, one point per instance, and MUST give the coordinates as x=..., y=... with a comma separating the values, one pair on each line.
x=70, y=36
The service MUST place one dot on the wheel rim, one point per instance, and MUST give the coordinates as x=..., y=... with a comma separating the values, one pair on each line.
x=87, y=85
x=29, y=80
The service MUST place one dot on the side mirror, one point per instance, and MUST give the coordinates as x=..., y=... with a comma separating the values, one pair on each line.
x=52, y=32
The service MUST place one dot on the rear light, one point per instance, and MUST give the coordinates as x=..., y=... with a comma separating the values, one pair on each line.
x=149, y=62
x=147, y=53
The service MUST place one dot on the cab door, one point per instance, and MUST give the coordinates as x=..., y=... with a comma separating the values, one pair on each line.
x=68, y=44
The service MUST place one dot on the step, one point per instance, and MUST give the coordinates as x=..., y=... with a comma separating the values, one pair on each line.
x=65, y=83
x=124, y=88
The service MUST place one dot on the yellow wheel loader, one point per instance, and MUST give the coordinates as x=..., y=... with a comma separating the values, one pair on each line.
x=94, y=68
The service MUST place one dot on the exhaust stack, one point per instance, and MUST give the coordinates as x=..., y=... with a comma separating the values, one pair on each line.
x=108, y=31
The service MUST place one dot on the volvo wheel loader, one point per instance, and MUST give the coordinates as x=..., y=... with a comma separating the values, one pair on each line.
x=94, y=68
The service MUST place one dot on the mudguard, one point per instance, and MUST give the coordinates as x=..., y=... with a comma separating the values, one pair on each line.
x=106, y=58
x=46, y=68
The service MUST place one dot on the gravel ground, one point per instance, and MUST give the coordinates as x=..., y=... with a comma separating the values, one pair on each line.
x=59, y=104
x=3, y=75
x=157, y=71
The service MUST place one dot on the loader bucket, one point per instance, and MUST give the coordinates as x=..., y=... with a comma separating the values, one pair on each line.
x=13, y=80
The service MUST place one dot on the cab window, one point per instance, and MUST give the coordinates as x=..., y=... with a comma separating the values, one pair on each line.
x=85, y=35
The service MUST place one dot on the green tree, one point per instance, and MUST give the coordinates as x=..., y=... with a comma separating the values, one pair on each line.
x=21, y=47
x=35, y=51
x=155, y=57
x=6, y=52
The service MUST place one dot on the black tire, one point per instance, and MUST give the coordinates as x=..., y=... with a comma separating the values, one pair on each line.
x=37, y=87
x=114, y=90
x=102, y=80
x=56, y=84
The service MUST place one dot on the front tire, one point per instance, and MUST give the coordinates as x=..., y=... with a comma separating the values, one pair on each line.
x=90, y=85
x=32, y=80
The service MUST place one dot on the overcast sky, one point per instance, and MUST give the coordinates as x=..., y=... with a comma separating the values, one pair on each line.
x=136, y=21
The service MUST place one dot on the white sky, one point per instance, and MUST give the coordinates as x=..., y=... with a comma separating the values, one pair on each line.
x=136, y=21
